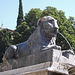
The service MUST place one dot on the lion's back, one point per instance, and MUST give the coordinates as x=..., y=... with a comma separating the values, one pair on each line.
x=23, y=49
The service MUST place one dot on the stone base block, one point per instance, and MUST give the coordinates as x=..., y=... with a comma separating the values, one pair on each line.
x=39, y=69
x=54, y=62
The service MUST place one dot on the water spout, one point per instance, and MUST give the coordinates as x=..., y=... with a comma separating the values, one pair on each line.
x=66, y=40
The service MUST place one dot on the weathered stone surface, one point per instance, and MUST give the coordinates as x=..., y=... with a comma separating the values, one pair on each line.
x=37, y=73
x=52, y=60
x=36, y=58
x=39, y=69
x=29, y=69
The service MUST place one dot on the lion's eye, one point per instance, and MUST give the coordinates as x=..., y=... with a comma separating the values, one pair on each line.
x=51, y=21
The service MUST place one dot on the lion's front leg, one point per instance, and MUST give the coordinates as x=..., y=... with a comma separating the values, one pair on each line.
x=10, y=53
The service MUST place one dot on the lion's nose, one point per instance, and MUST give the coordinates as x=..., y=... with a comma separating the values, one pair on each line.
x=56, y=25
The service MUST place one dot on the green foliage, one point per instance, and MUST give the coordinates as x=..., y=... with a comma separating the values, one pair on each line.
x=71, y=19
x=58, y=15
x=21, y=33
x=32, y=17
x=50, y=11
x=67, y=30
x=20, y=14
x=4, y=41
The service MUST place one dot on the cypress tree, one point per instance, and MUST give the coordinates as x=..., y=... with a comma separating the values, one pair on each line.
x=20, y=14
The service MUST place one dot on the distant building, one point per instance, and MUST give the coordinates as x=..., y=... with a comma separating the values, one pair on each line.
x=1, y=27
x=9, y=31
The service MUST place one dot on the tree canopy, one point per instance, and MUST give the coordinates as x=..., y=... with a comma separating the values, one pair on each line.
x=20, y=13
x=21, y=33
x=5, y=41
x=32, y=17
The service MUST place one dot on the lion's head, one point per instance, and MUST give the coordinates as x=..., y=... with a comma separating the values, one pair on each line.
x=49, y=26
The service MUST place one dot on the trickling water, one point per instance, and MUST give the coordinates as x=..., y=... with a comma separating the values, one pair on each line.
x=66, y=40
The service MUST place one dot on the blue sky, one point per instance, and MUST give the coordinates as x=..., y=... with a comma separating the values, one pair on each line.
x=9, y=9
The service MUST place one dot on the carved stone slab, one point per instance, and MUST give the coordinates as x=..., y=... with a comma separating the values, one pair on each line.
x=53, y=61
x=39, y=69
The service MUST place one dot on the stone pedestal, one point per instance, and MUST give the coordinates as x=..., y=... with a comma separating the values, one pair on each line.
x=47, y=62
x=39, y=69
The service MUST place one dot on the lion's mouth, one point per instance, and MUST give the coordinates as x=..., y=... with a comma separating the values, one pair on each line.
x=55, y=30
x=49, y=34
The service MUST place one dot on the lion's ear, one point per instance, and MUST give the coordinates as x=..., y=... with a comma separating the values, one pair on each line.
x=40, y=20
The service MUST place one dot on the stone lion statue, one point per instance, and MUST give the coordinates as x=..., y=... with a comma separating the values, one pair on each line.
x=43, y=38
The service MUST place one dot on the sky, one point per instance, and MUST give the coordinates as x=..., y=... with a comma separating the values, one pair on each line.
x=9, y=9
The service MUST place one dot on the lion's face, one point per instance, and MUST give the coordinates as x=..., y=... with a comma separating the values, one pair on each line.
x=49, y=26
